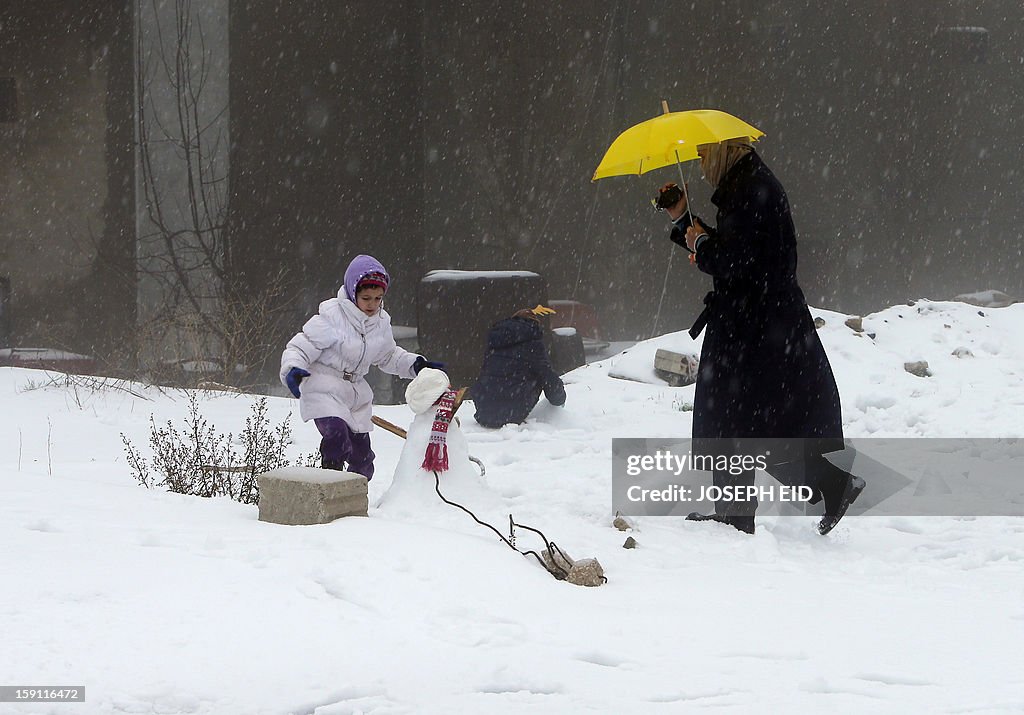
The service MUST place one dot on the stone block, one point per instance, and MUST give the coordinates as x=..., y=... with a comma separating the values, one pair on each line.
x=557, y=560
x=918, y=368
x=307, y=495
x=677, y=369
x=623, y=523
x=586, y=572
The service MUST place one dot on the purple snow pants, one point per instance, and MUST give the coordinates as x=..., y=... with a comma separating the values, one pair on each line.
x=340, y=445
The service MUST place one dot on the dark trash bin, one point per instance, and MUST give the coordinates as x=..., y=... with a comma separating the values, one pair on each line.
x=456, y=309
x=566, y=350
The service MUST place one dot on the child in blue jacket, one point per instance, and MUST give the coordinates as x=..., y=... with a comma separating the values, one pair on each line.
x=516, y=370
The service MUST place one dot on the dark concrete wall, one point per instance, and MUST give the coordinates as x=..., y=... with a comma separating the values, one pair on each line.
x=892, y=142
x=463, y=135
x=327, y=145
x=521, y=103
x=895, y=146
x=66, y=186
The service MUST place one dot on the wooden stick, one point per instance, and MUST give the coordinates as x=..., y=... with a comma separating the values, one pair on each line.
x=395, y=429
x=392, y=428
x=458, y=399
x=207, y=468
x=664, y=106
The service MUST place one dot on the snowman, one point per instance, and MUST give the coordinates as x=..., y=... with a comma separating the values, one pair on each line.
x=436, y=443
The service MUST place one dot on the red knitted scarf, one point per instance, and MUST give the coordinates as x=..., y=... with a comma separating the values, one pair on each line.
x=436, y=458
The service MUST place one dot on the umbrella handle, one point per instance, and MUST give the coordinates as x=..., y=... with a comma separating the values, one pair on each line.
x=682, y=181
x=686, y=195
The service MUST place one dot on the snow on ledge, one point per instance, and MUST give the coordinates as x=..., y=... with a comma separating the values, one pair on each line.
x=452, y=275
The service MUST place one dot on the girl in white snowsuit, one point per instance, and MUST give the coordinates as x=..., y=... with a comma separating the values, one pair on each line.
x=330, y=359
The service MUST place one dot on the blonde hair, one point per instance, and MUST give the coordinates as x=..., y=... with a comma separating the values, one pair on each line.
x=717, y=159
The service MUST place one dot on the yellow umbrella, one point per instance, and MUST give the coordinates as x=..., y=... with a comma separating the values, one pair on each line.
x=671, y=138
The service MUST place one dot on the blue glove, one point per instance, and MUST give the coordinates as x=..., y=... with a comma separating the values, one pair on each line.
x=293, y=378
x=422, y=362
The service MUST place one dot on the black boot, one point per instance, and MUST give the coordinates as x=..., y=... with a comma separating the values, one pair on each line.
x=742, y=523
x=330, y=464
x=837, y=502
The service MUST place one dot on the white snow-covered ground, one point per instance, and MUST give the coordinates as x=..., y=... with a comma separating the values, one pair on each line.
x=160, y=603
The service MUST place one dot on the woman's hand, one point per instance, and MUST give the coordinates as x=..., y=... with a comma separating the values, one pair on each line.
x=679, y=207
x=693, y=233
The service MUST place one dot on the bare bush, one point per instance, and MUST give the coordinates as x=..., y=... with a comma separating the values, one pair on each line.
x=81, y=387
x=199, y=461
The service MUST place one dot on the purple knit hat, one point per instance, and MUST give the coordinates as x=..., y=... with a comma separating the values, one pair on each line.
x=365, y=270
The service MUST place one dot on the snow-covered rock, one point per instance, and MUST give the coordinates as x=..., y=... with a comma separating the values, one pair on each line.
x=987, y=299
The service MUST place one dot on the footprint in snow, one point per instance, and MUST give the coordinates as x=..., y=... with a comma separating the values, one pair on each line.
x=890, y=679
x=606, y=660
x=43, y=525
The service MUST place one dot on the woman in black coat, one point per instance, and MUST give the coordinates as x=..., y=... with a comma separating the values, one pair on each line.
x=516, y=370
x=763, y=371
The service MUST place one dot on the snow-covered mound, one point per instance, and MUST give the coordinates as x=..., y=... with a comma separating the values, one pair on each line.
x=974, y=355
x=159, y=603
